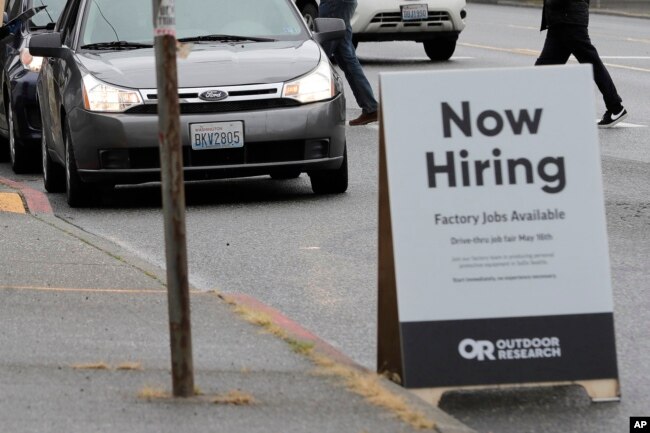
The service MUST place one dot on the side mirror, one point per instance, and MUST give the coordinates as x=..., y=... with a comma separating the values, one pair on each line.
x=48, y=45
x=328, y=29
x=5, y=18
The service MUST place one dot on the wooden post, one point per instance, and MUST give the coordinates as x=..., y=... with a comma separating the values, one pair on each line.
x=173, y=194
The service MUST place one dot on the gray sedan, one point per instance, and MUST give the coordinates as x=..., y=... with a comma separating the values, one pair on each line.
x=257, y=95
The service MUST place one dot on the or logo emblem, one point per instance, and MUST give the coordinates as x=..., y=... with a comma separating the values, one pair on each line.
x=213, y=95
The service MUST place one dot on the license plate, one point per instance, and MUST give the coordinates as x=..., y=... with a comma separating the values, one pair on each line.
x=217, y=135
x=415, y=12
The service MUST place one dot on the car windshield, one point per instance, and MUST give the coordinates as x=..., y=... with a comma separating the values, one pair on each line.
x=47, y=16
x=109, y=21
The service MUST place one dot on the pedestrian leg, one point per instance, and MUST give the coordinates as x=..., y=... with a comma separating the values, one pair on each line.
x=556, y=50
x=585, y=52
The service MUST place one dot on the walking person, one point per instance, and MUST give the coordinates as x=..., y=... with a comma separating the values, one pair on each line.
x=346, y=58
x=567, y=22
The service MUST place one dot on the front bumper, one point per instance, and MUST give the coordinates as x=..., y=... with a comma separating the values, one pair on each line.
x=123, y=148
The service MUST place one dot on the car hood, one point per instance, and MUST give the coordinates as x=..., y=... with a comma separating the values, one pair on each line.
x=213, y=64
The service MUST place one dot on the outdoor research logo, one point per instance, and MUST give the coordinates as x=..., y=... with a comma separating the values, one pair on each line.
x=213, y=95
x=509, y=349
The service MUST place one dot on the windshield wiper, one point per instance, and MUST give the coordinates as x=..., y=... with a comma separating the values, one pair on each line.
x=116, y=45
x=225, y=38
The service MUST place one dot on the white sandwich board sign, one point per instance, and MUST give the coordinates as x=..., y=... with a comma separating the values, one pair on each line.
x=494, y=230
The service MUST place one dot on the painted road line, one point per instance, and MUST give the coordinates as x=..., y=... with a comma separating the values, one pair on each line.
x=513, y=26
x=11, y=202
x=626, y=57
x=535, y=53
x=629, y=68
x=523, y=51
x=643, y=41
x=606, y=35
x=629, y=125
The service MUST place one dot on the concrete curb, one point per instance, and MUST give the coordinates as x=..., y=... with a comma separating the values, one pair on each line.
x=36, y=201
x=445, y=423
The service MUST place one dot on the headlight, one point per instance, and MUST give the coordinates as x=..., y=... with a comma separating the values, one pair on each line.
x=100, y=96
x=318, y=85
x=29, y=62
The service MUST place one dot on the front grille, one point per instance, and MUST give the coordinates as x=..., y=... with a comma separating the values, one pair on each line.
x=396, y=17
x=231, y=93
x=251, y=153
x=219, y=107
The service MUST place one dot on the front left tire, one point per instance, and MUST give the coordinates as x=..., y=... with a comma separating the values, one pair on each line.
x=78, y=193
x=53, y=174
x=17, y=152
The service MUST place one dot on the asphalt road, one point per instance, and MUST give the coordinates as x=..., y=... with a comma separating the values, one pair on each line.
x=314, y=258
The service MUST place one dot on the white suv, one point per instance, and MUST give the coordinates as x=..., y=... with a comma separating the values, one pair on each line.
x=435, y=23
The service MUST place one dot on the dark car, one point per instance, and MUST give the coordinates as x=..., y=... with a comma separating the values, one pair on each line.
x=20, y=120
x=258, y=95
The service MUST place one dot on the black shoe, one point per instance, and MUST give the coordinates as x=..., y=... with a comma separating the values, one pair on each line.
x=610, y=119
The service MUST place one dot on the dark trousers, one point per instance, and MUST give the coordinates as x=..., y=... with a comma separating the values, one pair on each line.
x=564, y=40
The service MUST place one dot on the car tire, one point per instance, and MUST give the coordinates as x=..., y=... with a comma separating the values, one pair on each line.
x=17, y=152
x=309, y=12
x=285, y=174
x=79, y=193
x=439, y=49
x=53, y=174
x=331, y=181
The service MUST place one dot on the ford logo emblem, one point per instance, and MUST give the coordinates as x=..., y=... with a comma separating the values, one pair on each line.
x=213, y=95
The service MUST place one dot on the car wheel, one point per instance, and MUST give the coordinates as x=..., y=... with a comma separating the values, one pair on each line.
x=285, y=174
x=439, y=49
x=79, y=194
x=53, y=174
x=309, y=12
x=331, y=181
x=17, y=152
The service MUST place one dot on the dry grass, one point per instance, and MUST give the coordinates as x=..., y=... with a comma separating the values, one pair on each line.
x=300, y=347
x=92, y=366
x=153, y=393
x=259, y=319
x=365, y=384
x=368, y=385
x=235, y=398
x=129, y=366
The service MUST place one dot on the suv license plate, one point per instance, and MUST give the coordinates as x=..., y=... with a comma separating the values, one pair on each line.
x=217, y=135
x=415, y=12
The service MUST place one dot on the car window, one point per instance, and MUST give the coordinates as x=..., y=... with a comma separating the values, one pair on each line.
x=66, y=23
x=8, y=5
x=49, y=15
x=14, y=8
x=105, y=20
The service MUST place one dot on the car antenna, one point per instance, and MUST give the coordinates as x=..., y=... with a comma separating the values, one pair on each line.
x=107, y=21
